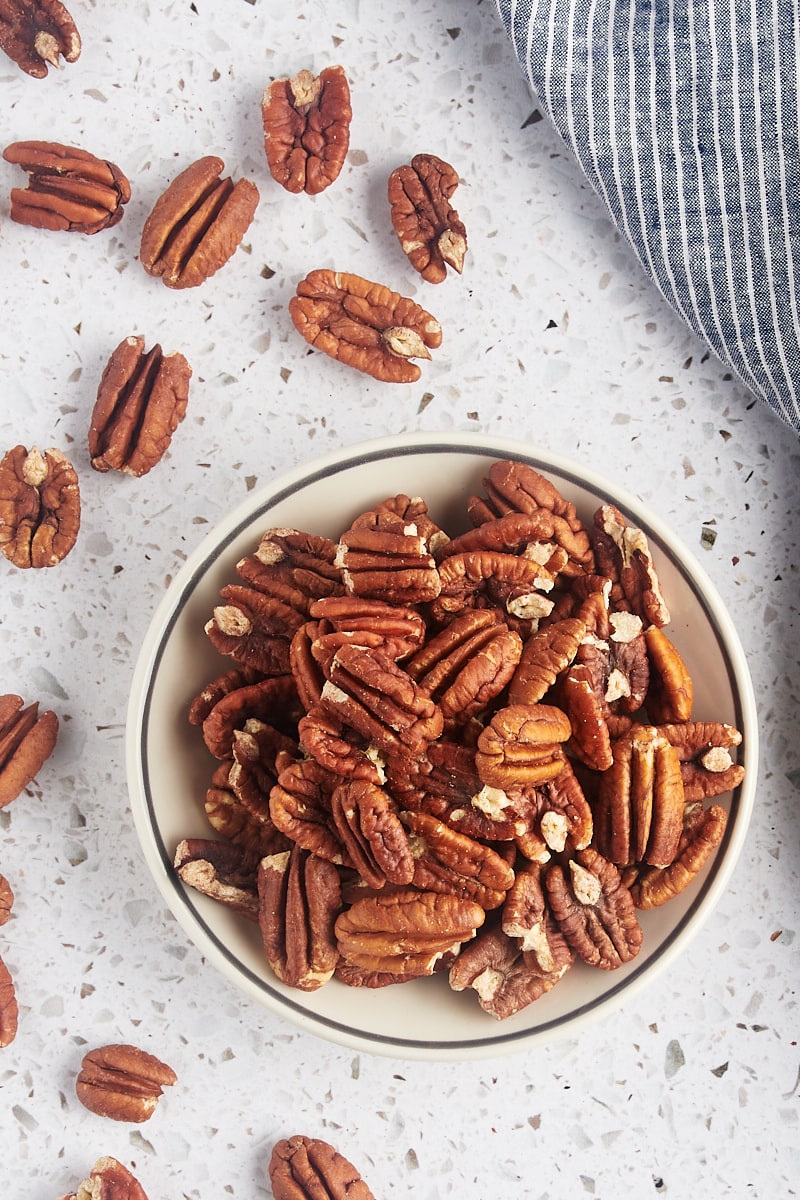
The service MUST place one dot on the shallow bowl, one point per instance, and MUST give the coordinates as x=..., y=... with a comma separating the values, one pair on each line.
x=169, y=768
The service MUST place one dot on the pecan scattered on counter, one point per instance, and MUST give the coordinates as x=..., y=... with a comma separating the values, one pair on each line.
x=9, y=1009
x=365, y=325
x=40, y=507
x=68, y=189
x=108, y=1180
x=36, y=34
x=122, y=1082
x=306, y=123
x=6, y=900
x=141, y=400
x=197, y=224
x=431, y=232
x=27, y=739
x=305, y=1168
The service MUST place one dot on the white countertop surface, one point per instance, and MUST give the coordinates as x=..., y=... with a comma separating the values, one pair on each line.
x=552, y=336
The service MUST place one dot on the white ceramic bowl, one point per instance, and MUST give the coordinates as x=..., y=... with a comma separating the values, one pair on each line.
x=169, y=768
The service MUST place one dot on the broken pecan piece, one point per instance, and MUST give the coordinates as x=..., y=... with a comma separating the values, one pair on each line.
x=306, y=123
x=141, y=399
x=221, y=870
x=299, y=899
x=68, y=189
x=304, y=1168
x=108, y=1180
x=365, y=325
x=40, y=507
x=122, y=1082
x=197, y=224
x=38, y=33
x=27, y=739
x=9, y=1009
x=431, y=232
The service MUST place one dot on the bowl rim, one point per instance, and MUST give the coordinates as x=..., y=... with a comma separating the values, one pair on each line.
x=160, y=628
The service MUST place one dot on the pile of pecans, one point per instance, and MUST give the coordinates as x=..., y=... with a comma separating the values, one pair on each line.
x=472, y=754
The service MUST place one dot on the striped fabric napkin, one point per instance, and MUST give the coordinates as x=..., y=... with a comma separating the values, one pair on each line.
x=683, y=116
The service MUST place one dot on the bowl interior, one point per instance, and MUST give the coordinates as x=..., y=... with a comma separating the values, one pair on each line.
x=169, y=768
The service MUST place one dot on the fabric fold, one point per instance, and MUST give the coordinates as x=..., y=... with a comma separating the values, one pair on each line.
x=683, y=117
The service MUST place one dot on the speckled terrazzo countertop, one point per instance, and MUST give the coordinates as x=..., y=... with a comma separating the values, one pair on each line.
x=551, y=335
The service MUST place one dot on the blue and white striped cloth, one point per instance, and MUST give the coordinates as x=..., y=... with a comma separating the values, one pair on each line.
x=684, y=117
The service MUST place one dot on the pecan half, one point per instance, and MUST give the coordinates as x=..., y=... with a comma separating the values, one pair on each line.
x=197, y=224
x=594, y=910
x=68, y=189
x=304, y=1168
x=505, y=980
x=370, y=693
x=622, y=553
x=141, y=400
x=300, y=806
x=372, y=833
x=40, y=507
x=365, y=325
x=517, y=487
x=545, y=655
x=306, y=123
x=533, y=534
x=638, y=811
x=247, y=826
x=221, y=870
x=670, y=691
x=397, y=628
x=254, y=628
x=122, y=1082
x=432, y=234
x=705, y=751
x=27, y=739
x=273, y=700
x=108, y=1180
x=388, y=564
x=9, y=1009
x=701, y=834
x=467, y=664
x=299, y=899
x=522, y=745
x=519, y=584
x=406, y=931
x=452, y=862
x=36, y=34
